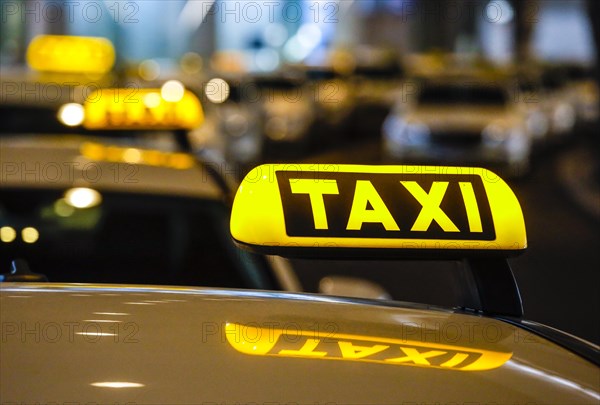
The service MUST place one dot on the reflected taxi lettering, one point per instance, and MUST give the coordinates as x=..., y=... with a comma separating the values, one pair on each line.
x=311, y=344
x=385, y=206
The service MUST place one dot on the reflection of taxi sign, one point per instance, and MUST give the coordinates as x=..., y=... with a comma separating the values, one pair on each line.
x=131, y=108
x=70, y=54
x=404, y=209
x=311, y=344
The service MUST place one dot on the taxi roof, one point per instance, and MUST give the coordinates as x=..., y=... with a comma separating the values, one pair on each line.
x=30, y=161
x=29, y=92
x=186, y=345
x=26, y=87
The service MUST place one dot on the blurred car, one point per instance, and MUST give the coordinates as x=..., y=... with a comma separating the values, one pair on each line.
x=585, y=87
x=287, y=114
x=70, y=203
x=332, y=92
x=255, y=117
x=538, y=106
x=459, y=122
x=335, y=103
x=31, y=101
x=562, y=98
x=377, y=73
x=232, y=123
x=201, y=345
x=377, y=80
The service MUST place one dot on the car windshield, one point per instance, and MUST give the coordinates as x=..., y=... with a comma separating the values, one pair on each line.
x=391, y=71
x=528, y=86
x=467, y=94
x=16, y=119
x=126, y=238
x=554, y=79
x=323, y=73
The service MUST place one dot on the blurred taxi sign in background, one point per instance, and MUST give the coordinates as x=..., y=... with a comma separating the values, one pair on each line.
x=71, y=54
x=170, y=107
x=287, y=208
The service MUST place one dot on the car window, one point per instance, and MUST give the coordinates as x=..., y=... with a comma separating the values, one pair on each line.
x=127, y=238
x=16, y=119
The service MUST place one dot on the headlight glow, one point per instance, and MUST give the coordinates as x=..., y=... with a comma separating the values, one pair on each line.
x=71, y=114
x=495, y=134
x=406, y=133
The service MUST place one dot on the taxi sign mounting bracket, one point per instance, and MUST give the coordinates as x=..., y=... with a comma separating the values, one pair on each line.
x=489, y=286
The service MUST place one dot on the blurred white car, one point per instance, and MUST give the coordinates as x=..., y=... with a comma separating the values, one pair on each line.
x=458, y=122
x=581, y=80
x=287, y=112
x=561, y=99
x=232, y=124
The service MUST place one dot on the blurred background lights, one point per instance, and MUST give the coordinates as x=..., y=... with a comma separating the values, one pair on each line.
x=309, y=35
x=30, y=235
x=172, y=91
x=152, y=100
x=132, y=155
x=275, y=35
x=267, y=59
x=149, y=70
x=82, y=197
x=217, y=90
x=499, y=12
x=7, y=234
x=191, y=63
x=301, y=45
x=62, y=209
x=71, y=114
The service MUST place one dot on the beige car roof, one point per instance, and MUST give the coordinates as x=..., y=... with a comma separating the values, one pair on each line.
x=71, y=161
x=124, y=344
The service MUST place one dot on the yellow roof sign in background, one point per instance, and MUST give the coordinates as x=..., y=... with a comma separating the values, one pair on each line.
x=133, y=108
x=70, y=54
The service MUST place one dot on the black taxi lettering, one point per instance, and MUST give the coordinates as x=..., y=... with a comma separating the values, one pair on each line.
x=386, y=206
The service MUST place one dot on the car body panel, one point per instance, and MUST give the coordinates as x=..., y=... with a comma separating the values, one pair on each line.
x=62, y=162
x=121, y=344
x=50, y=164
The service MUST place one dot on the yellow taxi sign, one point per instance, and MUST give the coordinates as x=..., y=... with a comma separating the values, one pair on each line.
x=71, y=54
x=408, y=210
x=132, y=108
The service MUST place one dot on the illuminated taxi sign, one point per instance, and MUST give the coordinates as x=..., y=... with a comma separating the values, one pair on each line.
x=70, y=54
x=312, y=344
x=281, y=208
x=131, y=108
